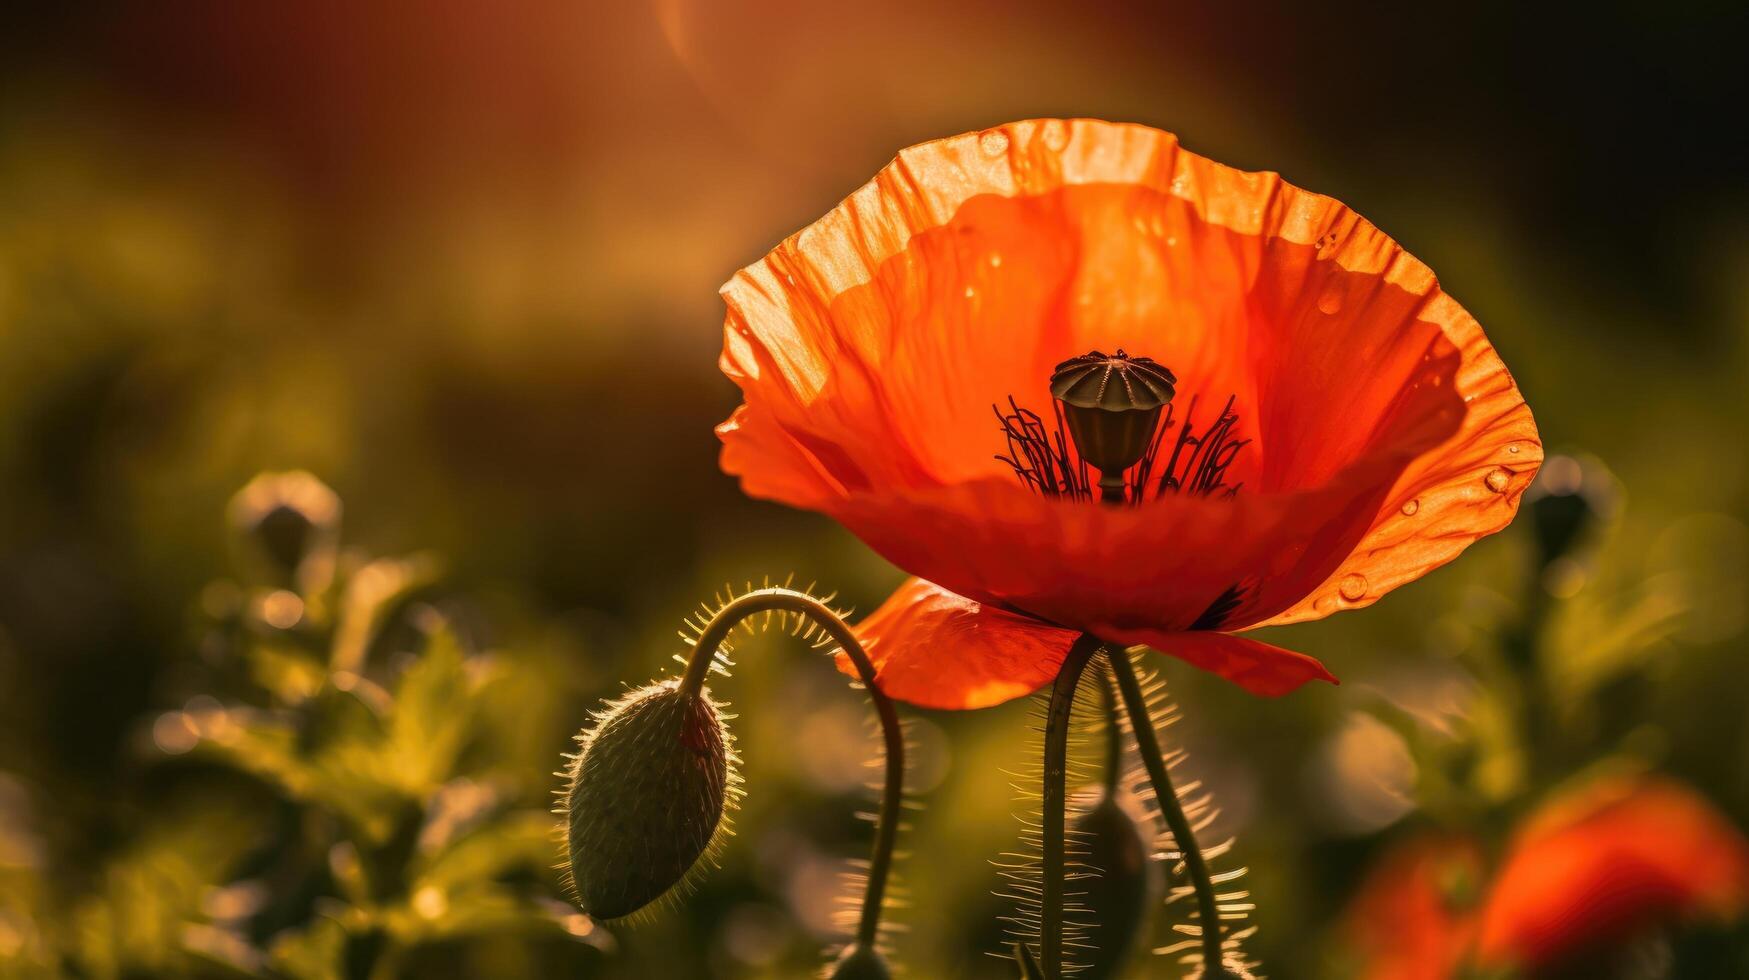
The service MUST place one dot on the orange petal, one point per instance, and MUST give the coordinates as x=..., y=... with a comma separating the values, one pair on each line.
x=934, y=649
x=1607, y=861
x=871, y=346
x=749, y=436
x=1258, y=667
x=1108, y=569
x=1465, y=488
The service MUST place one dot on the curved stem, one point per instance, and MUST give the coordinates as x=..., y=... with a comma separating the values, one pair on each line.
x=1195, y=866
x=1055, y=793
x=892, y=795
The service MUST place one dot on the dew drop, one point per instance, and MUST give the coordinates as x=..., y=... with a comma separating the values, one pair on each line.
x=971, y=292
x=1055, y=134
x=1330, y=300
x=1411, y=507
x=995, y=261
x=993, y=142
x=1352, y=586
x=1497, y=479
x=1512, y=449
x=1324, y=604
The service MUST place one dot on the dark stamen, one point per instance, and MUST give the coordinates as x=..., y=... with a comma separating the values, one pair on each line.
x=1203, y=471
x=1045, y=458
x=1040, y=456
x=1216, y=614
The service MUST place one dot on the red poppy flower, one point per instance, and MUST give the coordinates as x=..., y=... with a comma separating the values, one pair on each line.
x=1586, y=873
x=1605, y=864
x=1369, y=429
x=1414, y=917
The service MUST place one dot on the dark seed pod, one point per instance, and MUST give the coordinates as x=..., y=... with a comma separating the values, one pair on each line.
x=859, y=962
x=1112, y=404
x=1114, y=843
x=648, y=791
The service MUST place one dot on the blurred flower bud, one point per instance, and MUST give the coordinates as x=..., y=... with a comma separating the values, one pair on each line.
x=1115, y=843
x=860, y=962
x=288, y=526
x=648, y=790
x=1571, y=496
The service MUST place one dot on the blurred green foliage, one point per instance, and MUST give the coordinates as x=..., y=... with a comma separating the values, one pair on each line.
x=353, y=790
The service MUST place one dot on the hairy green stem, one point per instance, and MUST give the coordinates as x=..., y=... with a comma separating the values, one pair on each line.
x=1195, y=866
x=1055, y=792
x=1109, y=706
x=892, y=794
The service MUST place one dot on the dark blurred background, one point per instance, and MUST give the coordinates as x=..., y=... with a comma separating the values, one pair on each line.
x=461, y=263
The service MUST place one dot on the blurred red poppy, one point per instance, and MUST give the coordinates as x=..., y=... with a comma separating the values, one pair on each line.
x=1414, y=917
x=1381, y=434
x=1589, y=872
x=1605, y=864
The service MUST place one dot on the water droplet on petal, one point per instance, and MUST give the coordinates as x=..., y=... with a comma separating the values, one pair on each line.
x=1352, y=586
x=1324, y=604
x=1330, y=299
x=1497, y=479
x=971, y=292
x=1172, y=241
x=1055, y=133
x=995, y=261
x=1411, y=507
x=993, y=142
x=1512, y=449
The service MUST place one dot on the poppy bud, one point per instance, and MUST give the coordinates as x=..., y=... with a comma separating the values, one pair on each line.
x=1570, y=496
x=860, y=962
x=648, y=790
x=1118, y=900
x=1112, y=405
x=289, y=526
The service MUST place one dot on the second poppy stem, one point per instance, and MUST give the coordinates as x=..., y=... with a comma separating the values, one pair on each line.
x=1055, y=793
x=1172, y=809
x=1110, y=709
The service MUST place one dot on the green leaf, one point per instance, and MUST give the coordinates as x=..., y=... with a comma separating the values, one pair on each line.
x=432, y=717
